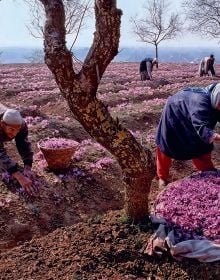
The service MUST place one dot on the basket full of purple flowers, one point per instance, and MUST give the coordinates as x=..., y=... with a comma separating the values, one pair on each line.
x=58, y=152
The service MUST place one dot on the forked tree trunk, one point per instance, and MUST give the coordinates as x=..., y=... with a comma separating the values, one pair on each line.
x=80, y=92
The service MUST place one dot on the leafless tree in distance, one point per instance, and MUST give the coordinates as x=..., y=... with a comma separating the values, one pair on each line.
x=37, y=56
x=204, y=17
x=157, y=24
x=80, y=89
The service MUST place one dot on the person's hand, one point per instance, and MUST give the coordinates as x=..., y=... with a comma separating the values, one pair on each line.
x=28, y=172
x=25, y=183
x=27, y=168
x=215, y=137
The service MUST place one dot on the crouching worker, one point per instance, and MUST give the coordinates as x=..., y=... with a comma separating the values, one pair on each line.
x=186, y=129
x=146, y=68
x=12, y=126
x=207, y=65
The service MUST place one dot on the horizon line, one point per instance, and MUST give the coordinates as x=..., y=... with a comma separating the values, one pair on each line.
x=123, y=46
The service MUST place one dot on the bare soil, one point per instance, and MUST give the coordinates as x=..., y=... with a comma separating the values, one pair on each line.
x=76, y=228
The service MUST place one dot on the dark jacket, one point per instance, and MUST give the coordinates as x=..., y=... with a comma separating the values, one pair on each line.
x=187, y=124
x=23, y=147
x=206, y=65
x=146, y=64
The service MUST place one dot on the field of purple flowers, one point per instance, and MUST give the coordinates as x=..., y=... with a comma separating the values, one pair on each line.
x=93, y=184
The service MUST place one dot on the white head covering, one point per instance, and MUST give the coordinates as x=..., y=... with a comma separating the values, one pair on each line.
x=215, y=96
x=12, y=117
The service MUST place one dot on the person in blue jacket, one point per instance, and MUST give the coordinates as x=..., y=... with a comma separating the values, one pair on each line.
x=186, y=129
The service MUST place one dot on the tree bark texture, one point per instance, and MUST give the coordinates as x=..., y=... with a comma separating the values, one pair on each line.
x=79, y=89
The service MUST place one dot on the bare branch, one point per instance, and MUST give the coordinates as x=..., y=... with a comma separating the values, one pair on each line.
x=204, y=17
x=80, y=24
x=75, y=13
x=107, y=16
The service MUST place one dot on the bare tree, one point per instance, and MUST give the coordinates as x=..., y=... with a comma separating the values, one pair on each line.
x=37, y=56
x=79, y=89
x=75, y=13
x=204, y=17
x=157, y=25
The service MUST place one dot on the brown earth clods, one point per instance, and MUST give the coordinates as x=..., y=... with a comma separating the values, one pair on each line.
x=76, y=228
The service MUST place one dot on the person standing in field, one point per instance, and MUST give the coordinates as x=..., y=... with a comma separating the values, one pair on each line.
x=13, y=126
x=146, y=68
x=207, y=65
x=186, y=129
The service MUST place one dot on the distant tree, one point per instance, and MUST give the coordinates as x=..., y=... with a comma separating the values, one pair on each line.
x=37, y=56
x=75, y=13
x=80, y=89
x=158, y=24
x=204, y=17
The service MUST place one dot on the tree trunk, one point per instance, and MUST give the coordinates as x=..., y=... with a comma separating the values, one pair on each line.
x=156, y=46
x=80, y=92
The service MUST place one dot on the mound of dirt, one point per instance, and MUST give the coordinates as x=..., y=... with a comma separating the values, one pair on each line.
x=67, y=232
x=102, y=248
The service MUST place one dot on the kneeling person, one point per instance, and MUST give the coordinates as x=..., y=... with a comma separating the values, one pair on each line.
x=13, y=126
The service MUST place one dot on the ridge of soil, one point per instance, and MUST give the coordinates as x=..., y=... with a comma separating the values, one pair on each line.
x=76, y=228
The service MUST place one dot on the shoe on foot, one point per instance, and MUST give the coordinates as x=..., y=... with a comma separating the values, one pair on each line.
x=162, y=183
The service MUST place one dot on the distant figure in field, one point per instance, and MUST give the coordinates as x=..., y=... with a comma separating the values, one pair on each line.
x=206, y=65
x=146, y=68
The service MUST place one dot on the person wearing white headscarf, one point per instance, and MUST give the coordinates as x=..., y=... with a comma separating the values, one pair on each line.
x=206, y=65
x=13, y=126
x=187, y=129
x=146, y=68
x=215, y=97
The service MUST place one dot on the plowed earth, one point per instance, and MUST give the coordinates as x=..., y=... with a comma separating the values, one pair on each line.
x=76, y=228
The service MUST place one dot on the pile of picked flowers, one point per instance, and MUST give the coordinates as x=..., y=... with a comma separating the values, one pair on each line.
x=191, y=207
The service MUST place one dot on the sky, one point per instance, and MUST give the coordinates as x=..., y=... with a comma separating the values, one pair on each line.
x=15, y=16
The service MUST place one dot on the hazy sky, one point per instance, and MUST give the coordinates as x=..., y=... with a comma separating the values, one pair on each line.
x=14, y=17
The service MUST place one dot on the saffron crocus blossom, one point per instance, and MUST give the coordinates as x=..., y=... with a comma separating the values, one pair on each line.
x=57, y=143
x=102, y=163
x=9, y=179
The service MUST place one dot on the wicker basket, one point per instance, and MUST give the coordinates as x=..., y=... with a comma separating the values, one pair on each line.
x=58, y=158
